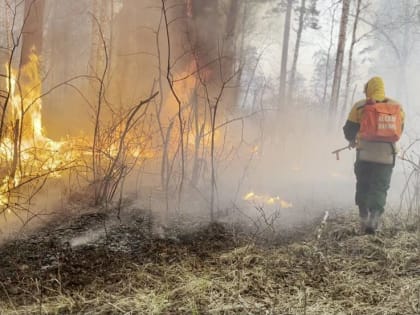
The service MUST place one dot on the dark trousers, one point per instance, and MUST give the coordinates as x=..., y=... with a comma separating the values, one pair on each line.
x=372, y=185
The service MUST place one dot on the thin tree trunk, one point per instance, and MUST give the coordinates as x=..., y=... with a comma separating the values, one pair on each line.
x=285, y=50
x=232, y=18
x=16, y=153
x=327, y=63
x=96, y=154
x=242, y=53
x=31, y=40
x=104, y=15
x=170, y=81
x=6, y=39
x=213, y=116
x=198, y=130
x=232, y=22
x=350, y=60
x=335, y=92
x=402, y=69
x=296, y=52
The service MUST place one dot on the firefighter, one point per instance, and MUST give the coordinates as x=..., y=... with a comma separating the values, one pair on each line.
x=373, y=127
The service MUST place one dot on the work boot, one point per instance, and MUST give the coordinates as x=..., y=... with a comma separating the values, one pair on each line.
x=373, y=222
x=364, y=218
x=363, y=212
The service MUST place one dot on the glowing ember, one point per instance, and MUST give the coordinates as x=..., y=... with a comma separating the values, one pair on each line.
x=268, y=200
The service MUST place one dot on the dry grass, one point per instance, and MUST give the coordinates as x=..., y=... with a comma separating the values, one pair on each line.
x=341, y=272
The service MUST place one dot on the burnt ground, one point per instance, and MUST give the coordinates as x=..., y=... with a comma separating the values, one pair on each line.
x=94, y=248
x=95, y=264
x=72, y=255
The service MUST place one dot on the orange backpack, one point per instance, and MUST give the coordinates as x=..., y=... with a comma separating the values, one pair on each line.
x=381, y=122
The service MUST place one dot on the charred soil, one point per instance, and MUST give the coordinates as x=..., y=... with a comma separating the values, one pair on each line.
x=95, y=264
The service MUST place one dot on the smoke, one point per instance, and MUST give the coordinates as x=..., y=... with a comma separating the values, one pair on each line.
x=281, y=153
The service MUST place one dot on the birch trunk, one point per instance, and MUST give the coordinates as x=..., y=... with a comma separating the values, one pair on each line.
x=335, y=93
x=285, y=50
x=296, y=51
x=350, y=60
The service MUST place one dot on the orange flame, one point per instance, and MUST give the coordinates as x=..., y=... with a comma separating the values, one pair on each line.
x=186, y=86
x=268, y=200
x=25, y=141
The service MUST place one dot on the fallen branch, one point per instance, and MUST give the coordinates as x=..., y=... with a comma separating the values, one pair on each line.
x=322, y=225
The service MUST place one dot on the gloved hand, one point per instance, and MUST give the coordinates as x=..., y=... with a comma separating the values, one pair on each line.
x=352, y=144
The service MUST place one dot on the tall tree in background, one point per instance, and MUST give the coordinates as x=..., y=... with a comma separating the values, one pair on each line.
x=335, y=93
x=307, y=17
x=396, y=38
x=302, y=13
x=285, y=50
x=103, y=14
x=350, y=58
x=32, y=31
x=65, y=54
x=324, y=68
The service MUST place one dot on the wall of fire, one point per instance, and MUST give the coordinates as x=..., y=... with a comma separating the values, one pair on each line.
x=65, y=35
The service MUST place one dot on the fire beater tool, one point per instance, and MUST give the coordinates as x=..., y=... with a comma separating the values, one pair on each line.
x=337, y=152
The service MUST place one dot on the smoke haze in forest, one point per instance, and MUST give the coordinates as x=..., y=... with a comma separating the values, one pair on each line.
x=217, y=132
